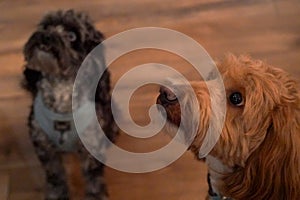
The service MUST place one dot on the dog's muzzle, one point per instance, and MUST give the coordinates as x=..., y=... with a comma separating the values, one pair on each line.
x=47, y=41
x=169, y=101
x=166, y=96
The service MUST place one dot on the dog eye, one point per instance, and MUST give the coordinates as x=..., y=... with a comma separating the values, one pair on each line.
x=71, y=36
x=236, y=99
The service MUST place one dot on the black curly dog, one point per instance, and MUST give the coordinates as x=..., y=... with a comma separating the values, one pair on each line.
x=53, y=55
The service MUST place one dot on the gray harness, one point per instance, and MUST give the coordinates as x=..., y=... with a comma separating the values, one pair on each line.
x=60, y=128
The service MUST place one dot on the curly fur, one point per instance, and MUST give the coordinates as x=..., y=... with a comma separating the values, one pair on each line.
x=258, y=153
x=53, y=54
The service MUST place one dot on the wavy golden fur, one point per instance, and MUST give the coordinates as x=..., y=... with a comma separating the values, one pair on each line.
x=260, y=140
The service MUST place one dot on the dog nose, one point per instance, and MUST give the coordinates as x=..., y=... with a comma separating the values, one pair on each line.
x=46, y=40
x=167, y=96
x=44, y=47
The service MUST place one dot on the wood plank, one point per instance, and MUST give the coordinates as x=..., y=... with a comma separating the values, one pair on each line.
x=30, y=195
x=4, y=186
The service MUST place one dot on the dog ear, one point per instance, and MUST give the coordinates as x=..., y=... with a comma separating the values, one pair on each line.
x=93, y=37
x=31, y=77
x=272, y=171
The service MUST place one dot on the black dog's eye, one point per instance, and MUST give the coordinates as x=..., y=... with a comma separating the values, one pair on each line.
x=236, y=99
x=71, y=36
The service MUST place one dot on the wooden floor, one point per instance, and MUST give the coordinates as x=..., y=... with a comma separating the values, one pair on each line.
x=266, y=29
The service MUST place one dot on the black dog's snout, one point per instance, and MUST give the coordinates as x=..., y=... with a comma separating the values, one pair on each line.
x=167, y=96
x=41, y=40
x=47, y=38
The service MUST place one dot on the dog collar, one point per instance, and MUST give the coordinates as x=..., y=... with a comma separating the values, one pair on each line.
x=60, y=127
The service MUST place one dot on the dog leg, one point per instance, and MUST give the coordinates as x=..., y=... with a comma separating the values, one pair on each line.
x=93, y=172
x=56, y=185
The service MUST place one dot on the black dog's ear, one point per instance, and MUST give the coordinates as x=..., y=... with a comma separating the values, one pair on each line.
x=93, y=37
x=31, y=77
x=103, y=89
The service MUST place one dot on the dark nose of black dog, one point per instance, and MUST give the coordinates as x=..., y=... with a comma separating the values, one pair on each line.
x=167, y=96
x=46, y=41
x=47, y=38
